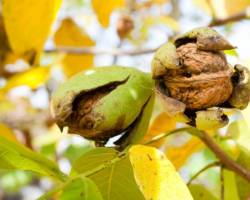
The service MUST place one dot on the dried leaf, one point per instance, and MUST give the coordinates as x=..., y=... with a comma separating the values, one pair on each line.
x=156, y=176
x=104, y=10
x=70, y=34
x=28, y=23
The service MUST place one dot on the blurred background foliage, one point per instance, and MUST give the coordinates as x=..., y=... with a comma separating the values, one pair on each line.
x=41, y=46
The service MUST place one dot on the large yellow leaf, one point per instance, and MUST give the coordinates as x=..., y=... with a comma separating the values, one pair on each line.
x=33, y=78
x=70, y=34
x=156, y=176
x=103, y=9
x=6, y=132
x=161, y=124
x=28, y=22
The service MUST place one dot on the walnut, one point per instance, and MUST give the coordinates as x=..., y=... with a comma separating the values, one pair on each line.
x=193, y=76
x=104, y=102
x=203, y=81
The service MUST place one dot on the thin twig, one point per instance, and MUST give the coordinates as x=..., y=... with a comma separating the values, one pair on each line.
x=95, y=51
x=222, y=193
x=211, y=144
x=214, y=164
x=233, y=18
x=115, y=58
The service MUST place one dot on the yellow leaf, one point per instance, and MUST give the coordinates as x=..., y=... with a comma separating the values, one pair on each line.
x=161, y=124
x=104, y=9
x=7, y=133
x=4, y=45
x=235, y=6
x=156, y=176
x=222, y=8
x=166, y=20
x=28, y=23
x=246, y=114
x=33, y=78
x=179, y=155
x=70, y=34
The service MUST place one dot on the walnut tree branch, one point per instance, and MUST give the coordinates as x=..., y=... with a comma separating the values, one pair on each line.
x=233, y=18
x=91, y=50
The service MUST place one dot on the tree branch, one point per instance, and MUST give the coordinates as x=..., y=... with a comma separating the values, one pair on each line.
x=224, y=158
x=95, y=51
x=233, y=18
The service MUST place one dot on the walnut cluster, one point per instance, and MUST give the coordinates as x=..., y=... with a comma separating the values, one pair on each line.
x=203, y=81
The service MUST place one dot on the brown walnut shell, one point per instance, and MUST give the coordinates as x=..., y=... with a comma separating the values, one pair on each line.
x=203, y=81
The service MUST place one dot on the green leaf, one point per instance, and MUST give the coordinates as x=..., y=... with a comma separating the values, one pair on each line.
x=16, y=156
x=242, y=184
x=240, y=131
x=231, y=52
x=199, y=192
x=230, y=187
x=81, y=189
x=115, y=180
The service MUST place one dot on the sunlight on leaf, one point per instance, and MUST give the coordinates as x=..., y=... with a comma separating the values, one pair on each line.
x=156, y=176
x=104, y=10
x=28, y=24
x=34, y=78
x=70, y=34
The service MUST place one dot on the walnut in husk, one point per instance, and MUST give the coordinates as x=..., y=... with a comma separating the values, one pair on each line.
x=103, y=102
x=193, y=73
